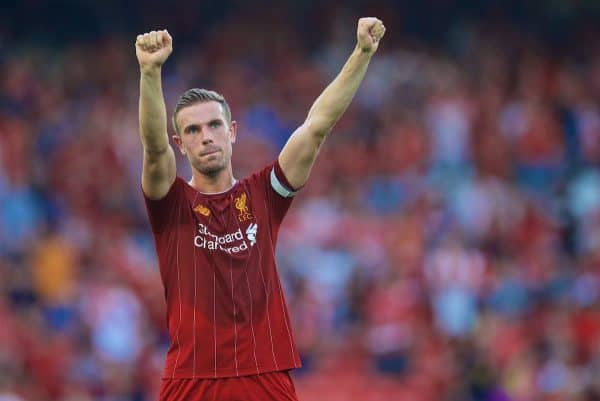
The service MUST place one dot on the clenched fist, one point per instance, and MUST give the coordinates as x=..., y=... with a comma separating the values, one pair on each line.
x=153, y=48
x=369, y=32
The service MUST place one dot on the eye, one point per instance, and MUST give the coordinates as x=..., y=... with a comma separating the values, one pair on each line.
x=214, y=124
x=192, y=129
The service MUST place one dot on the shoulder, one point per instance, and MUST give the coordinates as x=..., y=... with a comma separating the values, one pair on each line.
x=163, y=212
x=271, y=177
x=177, y=189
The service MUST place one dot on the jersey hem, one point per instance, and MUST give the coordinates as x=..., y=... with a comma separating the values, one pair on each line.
x=230, y=373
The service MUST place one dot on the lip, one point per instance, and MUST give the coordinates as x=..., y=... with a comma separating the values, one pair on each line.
x=210, y=152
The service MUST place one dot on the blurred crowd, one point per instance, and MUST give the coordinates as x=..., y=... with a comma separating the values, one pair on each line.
x=446, y=247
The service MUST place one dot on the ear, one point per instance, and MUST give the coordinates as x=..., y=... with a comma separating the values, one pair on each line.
x=179, y=143
x=233, y=131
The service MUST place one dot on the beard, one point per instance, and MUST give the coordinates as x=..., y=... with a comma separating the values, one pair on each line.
x=210, y=168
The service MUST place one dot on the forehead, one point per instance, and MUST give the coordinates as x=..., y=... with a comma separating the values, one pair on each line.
x=201, y=112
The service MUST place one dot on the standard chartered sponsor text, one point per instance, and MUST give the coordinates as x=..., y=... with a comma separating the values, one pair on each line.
x=231, y=242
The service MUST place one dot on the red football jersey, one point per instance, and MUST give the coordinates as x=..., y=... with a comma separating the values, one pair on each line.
x=226, y=312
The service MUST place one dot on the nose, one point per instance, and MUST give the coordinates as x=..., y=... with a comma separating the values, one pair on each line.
x=206, y=137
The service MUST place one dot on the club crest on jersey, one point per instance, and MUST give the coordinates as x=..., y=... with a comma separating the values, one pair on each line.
x=242, y=207
x=203, y=210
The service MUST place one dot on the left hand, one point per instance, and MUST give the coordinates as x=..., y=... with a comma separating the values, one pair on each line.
x=369, y=32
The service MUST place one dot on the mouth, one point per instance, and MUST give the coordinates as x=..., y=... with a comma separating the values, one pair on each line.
x=209, y=152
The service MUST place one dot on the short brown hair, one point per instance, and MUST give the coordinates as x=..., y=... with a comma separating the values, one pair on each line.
x=196, y=95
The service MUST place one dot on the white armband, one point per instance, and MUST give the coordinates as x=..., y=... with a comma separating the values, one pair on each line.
x=279, y=187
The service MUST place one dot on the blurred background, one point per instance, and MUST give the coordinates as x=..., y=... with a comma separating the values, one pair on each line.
x=446, y=248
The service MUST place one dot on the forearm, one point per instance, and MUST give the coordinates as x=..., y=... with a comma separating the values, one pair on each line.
x=153, y=113
x=334, y=100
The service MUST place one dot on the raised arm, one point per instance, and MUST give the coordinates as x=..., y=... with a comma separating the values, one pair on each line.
x=299, y=153
x=158, y=173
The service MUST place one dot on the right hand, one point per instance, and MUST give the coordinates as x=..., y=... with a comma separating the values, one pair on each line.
x=153, y=48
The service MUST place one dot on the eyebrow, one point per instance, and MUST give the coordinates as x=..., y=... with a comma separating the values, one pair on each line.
x=187, y=128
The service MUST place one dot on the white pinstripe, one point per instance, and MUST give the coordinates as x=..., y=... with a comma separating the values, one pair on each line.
x=281, y=190
x=234, y=319
x=179, y=290
x=194, y=306
x=214, y=305
x=250, y=293
x=283, y=308
x=267, y=296
x=251, y=321
x=215, y=316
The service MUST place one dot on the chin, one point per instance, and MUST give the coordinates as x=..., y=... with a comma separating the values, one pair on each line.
x=210, y=169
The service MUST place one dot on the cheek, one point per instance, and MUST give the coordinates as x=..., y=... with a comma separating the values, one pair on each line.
x=228, y=145
x=222, y=140
x=187, y=147
x=191, y=143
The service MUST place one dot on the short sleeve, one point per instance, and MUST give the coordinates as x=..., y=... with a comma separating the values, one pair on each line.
x=278, y=192
x=162, y=211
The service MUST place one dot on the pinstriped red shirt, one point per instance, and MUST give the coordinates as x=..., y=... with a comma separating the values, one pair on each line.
x=226, y=311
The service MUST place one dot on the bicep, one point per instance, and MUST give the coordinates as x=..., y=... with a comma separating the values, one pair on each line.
x=299, y=154
x=158, y=173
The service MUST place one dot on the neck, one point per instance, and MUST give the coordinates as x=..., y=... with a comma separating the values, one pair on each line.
x=207, y=184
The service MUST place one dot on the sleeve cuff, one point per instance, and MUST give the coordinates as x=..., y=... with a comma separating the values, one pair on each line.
x=279, y=183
